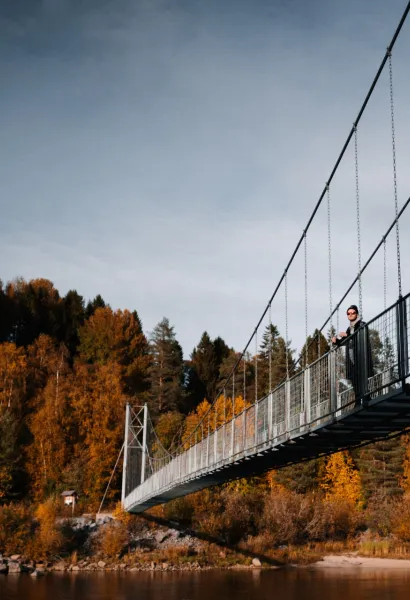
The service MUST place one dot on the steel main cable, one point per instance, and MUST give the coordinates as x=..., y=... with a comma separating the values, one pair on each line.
x=381, y=243
x=322, y=195
x=347, y=291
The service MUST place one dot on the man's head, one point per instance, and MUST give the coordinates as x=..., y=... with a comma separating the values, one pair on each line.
x=352, y=312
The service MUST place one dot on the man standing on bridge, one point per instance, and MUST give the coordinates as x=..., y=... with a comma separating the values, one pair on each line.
x=354, y=351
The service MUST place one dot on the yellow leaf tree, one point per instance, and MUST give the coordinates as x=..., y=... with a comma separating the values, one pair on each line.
x=341, y=480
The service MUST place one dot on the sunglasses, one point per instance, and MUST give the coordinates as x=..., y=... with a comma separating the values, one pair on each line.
x=352, y=313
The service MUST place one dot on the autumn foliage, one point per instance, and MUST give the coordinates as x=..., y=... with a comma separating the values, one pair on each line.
x=67, y=370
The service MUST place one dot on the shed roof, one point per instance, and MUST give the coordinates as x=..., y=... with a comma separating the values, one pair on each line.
x=69, y=493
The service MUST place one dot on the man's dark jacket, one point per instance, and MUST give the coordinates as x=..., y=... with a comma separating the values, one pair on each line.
x=355, y=362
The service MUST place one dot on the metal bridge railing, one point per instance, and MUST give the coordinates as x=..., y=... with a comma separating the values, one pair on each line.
x=372, y=362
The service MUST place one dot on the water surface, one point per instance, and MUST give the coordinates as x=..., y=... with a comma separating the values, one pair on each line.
x=295, y=584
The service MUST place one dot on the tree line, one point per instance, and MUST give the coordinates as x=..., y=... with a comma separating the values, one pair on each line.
x=68, y=367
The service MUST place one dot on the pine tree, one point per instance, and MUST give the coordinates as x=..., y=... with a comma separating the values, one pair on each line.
x=204, y=370
x=275, y=360
x=166, y=372
x=299, y=478
x=73, y=315
x=381, y=467
x=315, y=346
x=92, y=306
x=9, y=453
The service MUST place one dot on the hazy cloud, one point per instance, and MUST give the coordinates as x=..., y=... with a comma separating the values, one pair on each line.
x=167, y=154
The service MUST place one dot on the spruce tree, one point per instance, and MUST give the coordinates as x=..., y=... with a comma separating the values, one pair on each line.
x=73, y=315
x=275, y=357
x=381, y=467
x=166, y=372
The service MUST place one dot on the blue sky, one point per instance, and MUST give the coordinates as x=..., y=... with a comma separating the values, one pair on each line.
x=167, y=154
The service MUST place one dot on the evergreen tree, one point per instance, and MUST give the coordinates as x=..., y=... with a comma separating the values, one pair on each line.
x=274, y=355
x=166, y=372
x=203, y=370
x=299, y=478
x=6, y=315
x=92, y=306
x=381, y=467
x=9, y=454
x=36, y=310
x=72, y=318
x=315, y=346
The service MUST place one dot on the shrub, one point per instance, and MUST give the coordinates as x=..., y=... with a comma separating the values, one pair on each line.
x=378, y=514
x=112, y=539
x=180, y=509
x=238, y=517
x=48, y=537
x=333, y=518
x=16, y=527
x=285, y=516
x=400, y=518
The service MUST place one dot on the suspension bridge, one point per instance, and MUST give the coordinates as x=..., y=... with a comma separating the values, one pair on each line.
x=356, y=393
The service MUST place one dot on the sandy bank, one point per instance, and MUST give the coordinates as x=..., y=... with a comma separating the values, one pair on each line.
x=353, y=560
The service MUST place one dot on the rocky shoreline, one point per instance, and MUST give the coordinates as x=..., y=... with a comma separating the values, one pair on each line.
x=17, y=564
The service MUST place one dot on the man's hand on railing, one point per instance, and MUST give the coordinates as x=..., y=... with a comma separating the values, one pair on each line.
x=342, y=334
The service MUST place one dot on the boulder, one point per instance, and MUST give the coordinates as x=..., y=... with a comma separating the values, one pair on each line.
x=101, y=564
x=256, y=562
x=14, y=566
x=15, y=556
x=60, y=566
x=161, y=536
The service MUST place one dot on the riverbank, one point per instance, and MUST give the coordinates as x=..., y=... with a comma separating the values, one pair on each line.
x=16, y=564
x=349, y=560
x=99, y=544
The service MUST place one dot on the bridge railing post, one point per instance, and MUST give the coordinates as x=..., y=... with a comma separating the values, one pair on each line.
x=270, y=415
x=332, y=381
x=256, y=423
x=215, y=446
x=402, y=340
x=124, y=464
x=287, y=405
x=233, y=436
x=306, y=399
x=361, y=370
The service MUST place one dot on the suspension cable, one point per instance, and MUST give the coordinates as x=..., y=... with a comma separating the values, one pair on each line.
x=367, y=263
x=359, y=251
x=396, y=205
x=112, y=475
x=306, y=301
x=384, y=274
x=329, y=250
x=233, y=394
x=286, y=325
x=256, y=365
x=244, y=379
x=330, y=178
x=270, y=348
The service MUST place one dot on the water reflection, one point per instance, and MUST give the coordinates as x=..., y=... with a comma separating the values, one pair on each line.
x=309, y=584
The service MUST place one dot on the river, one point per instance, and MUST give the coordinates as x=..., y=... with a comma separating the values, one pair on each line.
x=294, y=584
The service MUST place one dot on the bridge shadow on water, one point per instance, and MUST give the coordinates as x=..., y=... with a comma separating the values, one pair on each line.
x=212, y=539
